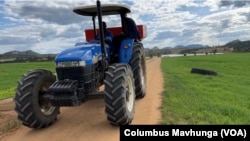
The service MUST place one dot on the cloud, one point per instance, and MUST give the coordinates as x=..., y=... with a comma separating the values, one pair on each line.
x=234, y=3
x=18, y=35
x=61, y=16
x=167, y=34
x=53, y=46
x=52, y=12
x=41, y=25
x=189, y=32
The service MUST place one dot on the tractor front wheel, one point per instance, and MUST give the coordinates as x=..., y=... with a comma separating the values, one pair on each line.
x=33, y=109
x=119, y=94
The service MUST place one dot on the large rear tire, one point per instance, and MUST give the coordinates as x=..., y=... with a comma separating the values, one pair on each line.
x=33, y=110
x=119, y=94
x=138, y=64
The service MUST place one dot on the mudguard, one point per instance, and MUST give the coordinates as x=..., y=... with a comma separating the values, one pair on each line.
x=82, y=52
x=126, y=50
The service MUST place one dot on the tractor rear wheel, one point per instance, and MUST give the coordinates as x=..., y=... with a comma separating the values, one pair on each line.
x=119, y=94
x=138, y=64
x=33, y=110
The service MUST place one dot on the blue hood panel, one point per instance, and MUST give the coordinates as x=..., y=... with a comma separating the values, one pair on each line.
x=86, y=52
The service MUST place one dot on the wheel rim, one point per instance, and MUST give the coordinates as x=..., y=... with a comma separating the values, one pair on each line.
x=46, y=108
x=45, y=105
x=130, y=94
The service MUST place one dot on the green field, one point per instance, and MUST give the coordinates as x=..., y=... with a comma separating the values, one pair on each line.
x=10, y=73
x=201, y=99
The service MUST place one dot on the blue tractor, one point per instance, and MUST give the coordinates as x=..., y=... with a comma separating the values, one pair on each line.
x=82, y=70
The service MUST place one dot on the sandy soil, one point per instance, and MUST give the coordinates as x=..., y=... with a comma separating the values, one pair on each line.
x=88, y=121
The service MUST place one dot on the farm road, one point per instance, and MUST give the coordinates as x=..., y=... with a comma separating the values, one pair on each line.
x=88, y=121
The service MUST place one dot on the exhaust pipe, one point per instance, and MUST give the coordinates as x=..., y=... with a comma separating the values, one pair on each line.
x=99, y=14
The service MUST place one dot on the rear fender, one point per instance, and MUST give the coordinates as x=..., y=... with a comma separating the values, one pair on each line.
x=126, y=50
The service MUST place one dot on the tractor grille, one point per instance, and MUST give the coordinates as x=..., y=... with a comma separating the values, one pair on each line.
x=83, y=74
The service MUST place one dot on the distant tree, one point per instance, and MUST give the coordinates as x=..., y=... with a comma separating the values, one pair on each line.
x=158, y=54
x=50, y=58
x=151, y=53
x=215, y=51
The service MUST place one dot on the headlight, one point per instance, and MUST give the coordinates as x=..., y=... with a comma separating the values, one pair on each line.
x=70, y=64
x=127, y=46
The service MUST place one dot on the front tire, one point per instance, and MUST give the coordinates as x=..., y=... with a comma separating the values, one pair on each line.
x=33, y=110
x=119, y=94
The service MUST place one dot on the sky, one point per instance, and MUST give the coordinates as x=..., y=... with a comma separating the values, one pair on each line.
x=50, y=26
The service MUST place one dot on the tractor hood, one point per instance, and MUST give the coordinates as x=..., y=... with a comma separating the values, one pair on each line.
x=87, y=52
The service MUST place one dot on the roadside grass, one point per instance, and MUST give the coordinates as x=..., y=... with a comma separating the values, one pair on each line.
x=10, y=73
x=202, y=99
x=8, y=123
x=12, y=125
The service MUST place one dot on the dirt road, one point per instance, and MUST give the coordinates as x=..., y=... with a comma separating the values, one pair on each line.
x=88, y=121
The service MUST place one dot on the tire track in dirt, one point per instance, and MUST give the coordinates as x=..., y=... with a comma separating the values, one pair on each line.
x=88, y=121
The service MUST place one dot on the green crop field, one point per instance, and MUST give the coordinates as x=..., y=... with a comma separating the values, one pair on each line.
x=10, y=73
x=190, y=98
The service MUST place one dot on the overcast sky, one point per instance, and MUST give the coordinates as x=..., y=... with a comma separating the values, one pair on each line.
x=50, y=26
